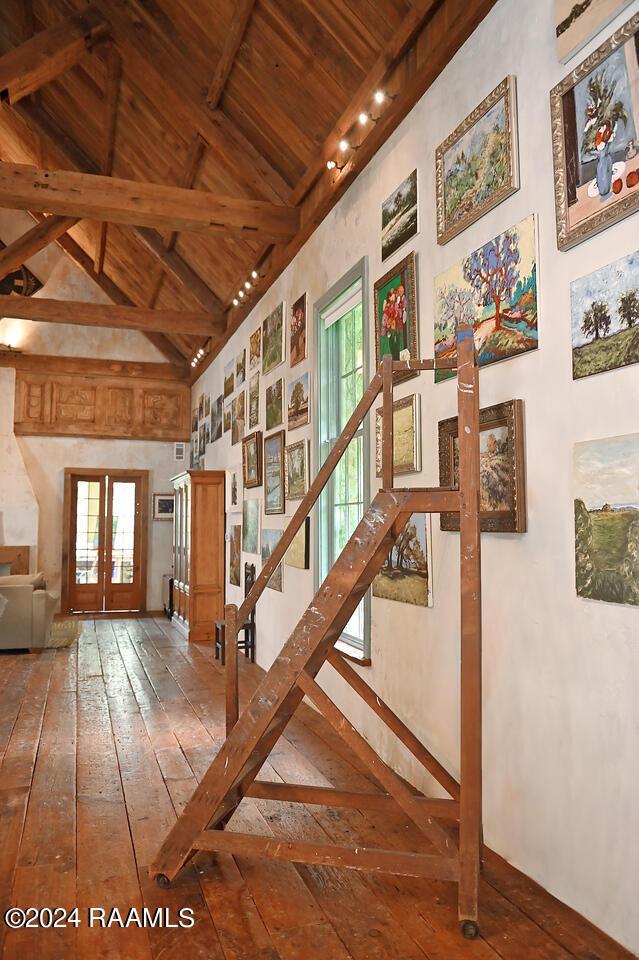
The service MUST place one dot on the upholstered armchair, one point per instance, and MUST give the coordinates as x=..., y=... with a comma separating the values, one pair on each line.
x=28, y=613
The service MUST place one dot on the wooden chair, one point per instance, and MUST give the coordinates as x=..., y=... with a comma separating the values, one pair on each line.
x=247, y=643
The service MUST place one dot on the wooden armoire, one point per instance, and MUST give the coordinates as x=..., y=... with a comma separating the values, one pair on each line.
x=198, y=551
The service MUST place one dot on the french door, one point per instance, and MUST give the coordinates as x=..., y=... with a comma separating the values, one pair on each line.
x=104, y=553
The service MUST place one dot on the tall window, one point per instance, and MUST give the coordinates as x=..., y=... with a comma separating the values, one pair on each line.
x=341, y=378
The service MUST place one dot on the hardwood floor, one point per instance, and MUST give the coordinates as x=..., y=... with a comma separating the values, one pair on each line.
x=101, y=746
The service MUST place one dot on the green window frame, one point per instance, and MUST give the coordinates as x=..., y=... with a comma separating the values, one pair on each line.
x=341, y=336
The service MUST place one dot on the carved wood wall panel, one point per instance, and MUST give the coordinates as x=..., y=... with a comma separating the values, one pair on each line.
x=64, y=405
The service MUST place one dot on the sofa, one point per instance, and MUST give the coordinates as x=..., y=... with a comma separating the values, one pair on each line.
x=27, y=612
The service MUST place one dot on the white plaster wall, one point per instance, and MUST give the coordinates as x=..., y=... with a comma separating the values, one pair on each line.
x=18, y=505
x=46, y=459
x=561, y=674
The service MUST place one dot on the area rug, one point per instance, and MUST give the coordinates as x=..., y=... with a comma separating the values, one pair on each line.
x=64, y=632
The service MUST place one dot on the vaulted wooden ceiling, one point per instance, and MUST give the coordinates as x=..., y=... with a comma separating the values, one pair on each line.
x=244, y=100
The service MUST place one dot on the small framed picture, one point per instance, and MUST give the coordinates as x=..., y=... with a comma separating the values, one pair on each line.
x=163, y=506
x=252, y=459
x=274, y=497
x=298, y=400
x=396, y=319
x=406, y=437
x=297, y=460
x=297, y=341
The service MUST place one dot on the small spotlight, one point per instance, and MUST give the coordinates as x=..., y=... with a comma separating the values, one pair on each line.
x=330, y=164
x=200, y=352
x=254, y=274
x=363, y=119
x=247, y=284
x=235, y=301
x=240, y=294
x=343, y=145
x=379, y=96
x=193, y=362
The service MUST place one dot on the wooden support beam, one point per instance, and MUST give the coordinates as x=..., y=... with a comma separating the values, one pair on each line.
x=114, y=75
x=141, y=204
x=31, y=242
x=230, y=667
x=49, y=53
x=92, y=367
x=329, y=855
x=232, y=43
x=329, y=797
x=432, y=499
x=173, y=263
x=108, y=315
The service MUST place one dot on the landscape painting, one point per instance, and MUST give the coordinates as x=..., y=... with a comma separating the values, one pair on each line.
x=273, y=339
x=255, y=349
x=604, y=308
x=270, y=539
x=298, y=401
x=607, y=519
x=298, y=554
x=235, y=554
x=254, y=400
x=477, y=166
x=399, y=216
x=495, y=290
x=237, y=418
x=228, y=415
x=207, y=405
x=229, y=379
x=297, y=343
x=274, y=496
x=251, y=526
x=240, y=368
x=406, y=437
x=296, y=470
x=576, y=23
x=406, y=575
x=274, y=404
x=216, y=418
x=595, y=124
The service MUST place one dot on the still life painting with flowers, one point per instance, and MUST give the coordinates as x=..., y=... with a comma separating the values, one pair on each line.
x=396, y=315
x=595, y=129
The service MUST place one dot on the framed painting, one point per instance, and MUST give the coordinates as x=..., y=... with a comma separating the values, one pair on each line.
x=235, y=554
x=216, y=418
x=298, y=401
x=229, y=379
x=275, y=404
x=254, y=400
x=252, y=460
x=299, y=554
x=577, y=23
x=202, y=440
x=477, y=166
x=502, y=475
x=207, y=405
x=200, y=407
x=237, y=418
x=273, y=339
x=297, y=461
x=396, y=320
x=406, y=576
x=194, y=421
x=251, y=526
x=274, y=497
x=297, y=339
x=207, y=431
x=604, y=316
x=407, y=441
x=255, y=349
x=234, y=491
x=163, y=506
x=495, y=290
x=400, y=214
x=607, y=519
x=240, y=368
x=270, y=539
x=595, y=125
x=228, y=415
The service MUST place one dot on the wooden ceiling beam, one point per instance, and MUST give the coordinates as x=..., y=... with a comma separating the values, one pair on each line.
x=113, y=78
x=92, y=367
x=49, y=53
x=108, y=315
x=116, y=200
x=232, y=43
x=37, y=238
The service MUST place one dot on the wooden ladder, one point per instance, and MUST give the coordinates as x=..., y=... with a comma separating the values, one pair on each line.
x=252, y=736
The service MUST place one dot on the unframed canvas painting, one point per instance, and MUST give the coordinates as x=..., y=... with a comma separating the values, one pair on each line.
x=298, y=554
x=255, y=349
x=407, y=440
x=228, y=415
x=216, y=418
x=240, y=368
x=297, y=343
x=270, y=539
x=495, y=290
x=604, y=310
x=607, y=519
x=273, y=339
x=576, y=23
x=229, y=379
x=238, y=417
x=254, y=400
x=406, y=575
x=235, y=554
x=298, y=401
x=274, y=404
x=251, y=526
x=399, y=216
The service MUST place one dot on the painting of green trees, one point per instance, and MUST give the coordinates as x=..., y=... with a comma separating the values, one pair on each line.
x=406, y=574
x=607, y=519
x=605, y=318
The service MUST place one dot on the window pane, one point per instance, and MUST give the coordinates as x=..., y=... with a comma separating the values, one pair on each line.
x=123, y=532
x=87, y=536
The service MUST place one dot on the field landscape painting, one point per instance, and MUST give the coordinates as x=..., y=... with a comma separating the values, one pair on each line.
x=270, y=539
x=399, y=216
x=406, y=575
x=495, y=290
x=477, y=165
x=604, y=310
x=273, y=339
x=607, y=519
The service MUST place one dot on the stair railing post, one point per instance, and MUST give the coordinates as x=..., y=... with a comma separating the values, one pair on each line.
x=470, y=820
x=387, y=428
x=231, y=675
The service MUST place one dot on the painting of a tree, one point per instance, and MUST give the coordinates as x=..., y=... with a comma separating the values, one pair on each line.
x=406, y=576
x=629, y=308
x=492, y=271
x=596, y=322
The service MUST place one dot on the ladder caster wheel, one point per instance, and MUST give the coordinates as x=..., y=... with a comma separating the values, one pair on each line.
x=162, y=880
x=470, y=929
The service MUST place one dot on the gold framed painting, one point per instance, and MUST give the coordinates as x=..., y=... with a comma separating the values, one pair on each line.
x=297, y=460
x=396, y=321
x=502, y=476
x=407, y=446
x=252, y=459
x=477, y=166
x=595, y=129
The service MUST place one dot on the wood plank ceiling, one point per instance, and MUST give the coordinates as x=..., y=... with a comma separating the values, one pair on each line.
x=238, y=98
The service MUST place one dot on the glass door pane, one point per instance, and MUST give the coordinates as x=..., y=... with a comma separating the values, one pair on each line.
x=124, y=588
x=87, y=534
x=122, y=531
